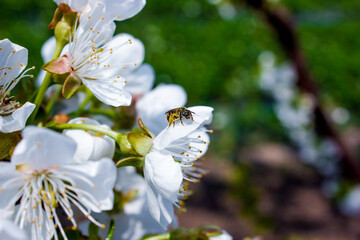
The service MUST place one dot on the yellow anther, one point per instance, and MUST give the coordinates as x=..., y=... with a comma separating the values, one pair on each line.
x=102, y=226
x=13, y=51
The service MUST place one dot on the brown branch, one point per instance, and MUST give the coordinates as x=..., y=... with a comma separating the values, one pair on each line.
x=284, y=27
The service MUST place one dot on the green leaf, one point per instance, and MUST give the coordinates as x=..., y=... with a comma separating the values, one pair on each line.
x=71, y=84
x=7, y=142
x=111, y=229
x=131, y=161
x=140, y=143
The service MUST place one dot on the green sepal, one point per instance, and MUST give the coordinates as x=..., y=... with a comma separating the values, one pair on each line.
x=141, y=143
x=7, y=142
x=60, y=78
x=125, y=145
x=131, y=161
x=144, y=128
x=71, y=84
x=60, y=65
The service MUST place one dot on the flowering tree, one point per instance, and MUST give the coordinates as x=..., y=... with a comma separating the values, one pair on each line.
x=65, y=176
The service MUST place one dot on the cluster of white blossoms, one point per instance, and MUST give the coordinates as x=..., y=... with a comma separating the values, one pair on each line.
x=59, y=173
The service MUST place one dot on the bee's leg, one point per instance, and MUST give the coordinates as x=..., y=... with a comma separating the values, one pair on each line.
x=192, y=119
x=170, y=120
x=174, y=123
x=181, y=118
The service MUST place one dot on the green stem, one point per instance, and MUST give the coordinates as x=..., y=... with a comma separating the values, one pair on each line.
x=165, y=236
x=93, y=128
x=44, y=86
x=53, y=99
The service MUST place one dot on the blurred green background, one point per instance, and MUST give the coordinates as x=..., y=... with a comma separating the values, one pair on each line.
x=211, y=48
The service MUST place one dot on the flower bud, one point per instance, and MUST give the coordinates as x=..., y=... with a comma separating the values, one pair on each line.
x=63, y=28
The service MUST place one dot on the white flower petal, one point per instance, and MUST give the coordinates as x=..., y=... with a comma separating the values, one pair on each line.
x=84, y=143
x=164, y=173
x=41, y=147
x=128, y=53
x=152, y=106
x=102, y=175
x=10, y=183
x=12, y=56
x=127, y=180
x=123, y=9
x=16, y=121
x=160, y=208
x=75, y=5
x=109, y=92
x=223, y=236
x=202, y=115
x=9, y=231
x=140, y=80
x=90, y=145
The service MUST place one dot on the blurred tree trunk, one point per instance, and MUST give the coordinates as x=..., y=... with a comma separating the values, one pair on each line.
x=284, y=27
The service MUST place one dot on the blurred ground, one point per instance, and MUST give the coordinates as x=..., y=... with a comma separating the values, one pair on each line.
x=290, y=198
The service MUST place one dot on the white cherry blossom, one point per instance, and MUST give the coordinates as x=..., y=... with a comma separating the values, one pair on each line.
x=118, y=9
x=172, y=159
x=13, y=60
x=90, y=146
x=135, y=221
x=42, y=176
x=98, y=60
x=152, y=106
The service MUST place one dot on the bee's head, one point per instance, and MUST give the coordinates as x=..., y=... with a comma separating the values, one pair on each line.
x=187, y=114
